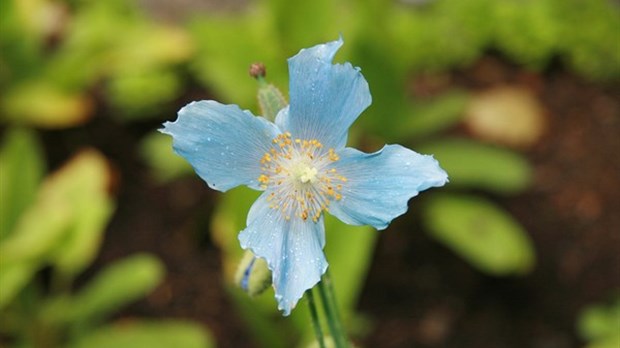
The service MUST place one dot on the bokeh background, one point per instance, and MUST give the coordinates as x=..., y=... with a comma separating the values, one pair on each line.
x=108, y=239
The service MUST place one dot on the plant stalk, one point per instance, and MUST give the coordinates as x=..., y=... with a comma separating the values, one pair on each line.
x=316, y=324
x=330, y=306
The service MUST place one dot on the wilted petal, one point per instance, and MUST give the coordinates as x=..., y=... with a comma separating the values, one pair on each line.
x=223, y=143
x=380, y=184
x=293, y=250
x=325, y=99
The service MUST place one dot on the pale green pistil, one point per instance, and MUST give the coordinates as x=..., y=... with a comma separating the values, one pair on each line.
x=307, y=174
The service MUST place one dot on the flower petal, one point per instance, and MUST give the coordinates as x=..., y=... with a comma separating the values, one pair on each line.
x=380, y=184
x=325, y=99
x=292, y=248
x=223, y=143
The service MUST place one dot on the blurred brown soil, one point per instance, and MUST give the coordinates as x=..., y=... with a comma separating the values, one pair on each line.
x=417, y=293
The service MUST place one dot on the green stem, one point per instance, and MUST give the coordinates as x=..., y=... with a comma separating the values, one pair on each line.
x=331, y=311
x=318, y=332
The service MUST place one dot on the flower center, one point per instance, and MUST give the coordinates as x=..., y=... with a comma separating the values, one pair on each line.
x=308, y=174
x=300, y=176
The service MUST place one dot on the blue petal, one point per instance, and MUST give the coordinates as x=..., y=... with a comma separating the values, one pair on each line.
x=325, y=99
x=380, y=184
x=293, y=250
x=222, y=143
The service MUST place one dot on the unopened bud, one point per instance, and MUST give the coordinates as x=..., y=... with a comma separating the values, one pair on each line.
x=270, y=101
x=253, y=274
x=257, y=70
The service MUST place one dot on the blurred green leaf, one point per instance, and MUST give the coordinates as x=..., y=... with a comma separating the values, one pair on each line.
x=115, y=42
x=65, y=223
x=226, y=223
x=592, y=49
x=471, y=164
x=598, y=324
x=258, y=313
x=20, y=46
x=13, y=277
x=226, y=46
x=156, y=150
x=431, y=117
x=147, y=46
x=138, y=95
x=119, y=284
x=21, y=171
x=480, y=232
x=41, y=104
x=268, y=31
x=37, y=232
x=82, y=185
x=151, y=334
x=292, y=20
x=528, y=31
x=348, y=269
x=440, y=35
x=386, y=83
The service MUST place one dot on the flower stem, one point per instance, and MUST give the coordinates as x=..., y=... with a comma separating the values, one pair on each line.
x=331, y=311
x=316, y=324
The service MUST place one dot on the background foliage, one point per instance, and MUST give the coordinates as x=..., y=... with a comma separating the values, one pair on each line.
x=63, y=64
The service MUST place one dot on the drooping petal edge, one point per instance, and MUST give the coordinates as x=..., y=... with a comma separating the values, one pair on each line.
x=223, y=143
x=379, y=185
x=292, y=248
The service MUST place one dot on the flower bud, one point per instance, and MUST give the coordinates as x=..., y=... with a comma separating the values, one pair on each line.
x=257, y=70
x=270, y=99
x=253, y=275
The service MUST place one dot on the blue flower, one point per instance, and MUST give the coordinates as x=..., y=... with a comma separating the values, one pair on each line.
x=301, y=164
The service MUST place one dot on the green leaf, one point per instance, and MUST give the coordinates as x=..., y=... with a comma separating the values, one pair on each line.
x=598, y=324
x=151, y=334
x=258, y=313
x=13, y=278
x=472, y=164
x=117, y=285
x=227, y=46
x=83, y=186
x=348, y=269
x=138, y=95
x=431, y=117
x=441, y=35
x=145, y=46
x=65, y=223
x=527, y=31
x=480, y=232
x=230, y=218
x=21, y=171
x=156, y=150
x=292, y=20
x=38, y=231
x=591, y=50
x=41, y=104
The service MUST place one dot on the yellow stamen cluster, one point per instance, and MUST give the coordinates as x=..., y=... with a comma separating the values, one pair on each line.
x=299, y=175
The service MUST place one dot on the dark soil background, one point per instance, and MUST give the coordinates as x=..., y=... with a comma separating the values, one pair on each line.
x=418, y=293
